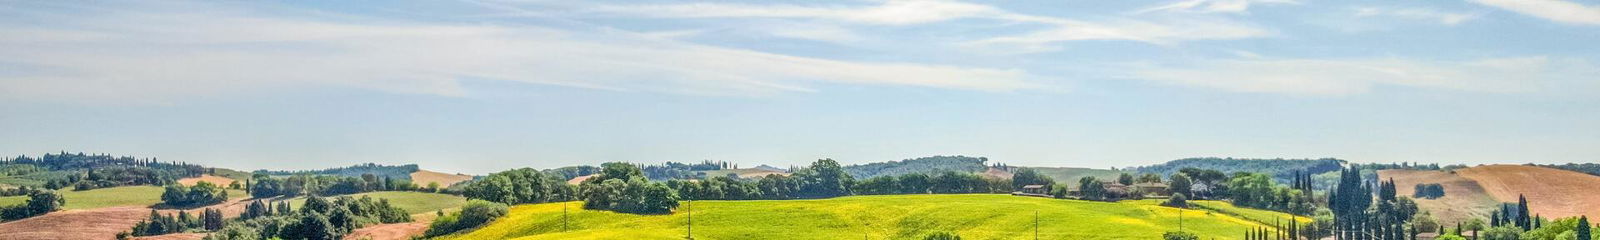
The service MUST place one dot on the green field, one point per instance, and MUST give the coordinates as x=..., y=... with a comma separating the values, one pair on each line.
x=1258, y=215
x=1070, y=175
x=412, y=202
x=973, y=216
x=142, y=196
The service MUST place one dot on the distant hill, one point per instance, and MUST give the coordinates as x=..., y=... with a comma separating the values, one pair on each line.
x=928, y=165
x=1281, y=169
x=423, y=177
x=770, y=168
x=396, y=172
x=1070, y=175
x=1587, y=168
x=1477, y=191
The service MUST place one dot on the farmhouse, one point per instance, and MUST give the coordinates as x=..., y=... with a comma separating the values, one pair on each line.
x=1034, y=190
x=1152, y=188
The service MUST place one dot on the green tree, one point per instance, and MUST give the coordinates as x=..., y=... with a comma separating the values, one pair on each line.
x=1028, y=176
x=1175, y=235
x=1583, y=228
x=1181, y=184
x=1125, y=179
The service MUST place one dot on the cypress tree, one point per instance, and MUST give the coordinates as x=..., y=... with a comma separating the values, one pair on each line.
x=1524, y=219
x=1583, y=228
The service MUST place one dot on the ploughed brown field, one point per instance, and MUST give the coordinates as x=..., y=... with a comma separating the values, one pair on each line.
x=1463, y=198
x=423, y=177
x=1475, y=192
x=219, y=181
x=1552, y=193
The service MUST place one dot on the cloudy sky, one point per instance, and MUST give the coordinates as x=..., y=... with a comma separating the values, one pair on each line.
x=479, y=86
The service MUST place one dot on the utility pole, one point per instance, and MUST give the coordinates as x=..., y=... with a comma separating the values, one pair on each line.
x=563, y=216
x=1180, y=219
x=1035, y=224
x=691, y=219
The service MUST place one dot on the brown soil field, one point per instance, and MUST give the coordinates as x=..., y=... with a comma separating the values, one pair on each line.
x=1552, y=193
x=579, y=179
x=100, y=223
x=174, y=236
x=392, y=231
x=997, y=173
x=423, y=177
x=219, y=181
x=1463, y=199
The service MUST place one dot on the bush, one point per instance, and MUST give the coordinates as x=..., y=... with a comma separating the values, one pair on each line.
x=1179, y=236
x=1429, y=191
x=474, y=214
x=1178, y=200
x=39, y=202
x=942, y=236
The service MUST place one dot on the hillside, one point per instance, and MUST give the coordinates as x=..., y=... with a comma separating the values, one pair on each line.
x=423, y=177
x=1553, y=193
x=1463, y=199
x=1070, y=175
x=744, y=172
x=973, y=216
x=1281, y=169
x=927, y=165
x=396, y=171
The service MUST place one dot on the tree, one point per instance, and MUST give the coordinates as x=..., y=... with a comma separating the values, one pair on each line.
x=824, y=179
x=475, y=213
x=1524, y=219
x=1125, y=179
x=1028, y=176
x=1181, y=184
x=313, y=226
x=1179, y=236
x=1583, y=228
x=1177, y=200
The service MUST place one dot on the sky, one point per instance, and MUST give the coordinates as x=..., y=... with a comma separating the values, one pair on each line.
x=481, y=86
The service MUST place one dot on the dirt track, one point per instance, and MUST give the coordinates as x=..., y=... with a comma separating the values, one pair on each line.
x=219, y=181
x=392, y=231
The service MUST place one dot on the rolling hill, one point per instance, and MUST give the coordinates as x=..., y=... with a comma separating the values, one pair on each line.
x=423, y=177
x=973, y=216
x=1477, y=191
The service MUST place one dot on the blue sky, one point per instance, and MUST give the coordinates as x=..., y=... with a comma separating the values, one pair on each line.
x=481, y=86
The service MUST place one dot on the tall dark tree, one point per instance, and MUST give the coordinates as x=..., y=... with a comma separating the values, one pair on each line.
x=1524, y=220
x=1583, y=228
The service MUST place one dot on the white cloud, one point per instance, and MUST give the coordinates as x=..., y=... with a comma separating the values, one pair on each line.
x=146, y=55
x=893, y=12
x=1211, y=6
x=1417, y=13
x=1161, y=33
x=1165, y=31
x=1345, y=77
x=1554, y=10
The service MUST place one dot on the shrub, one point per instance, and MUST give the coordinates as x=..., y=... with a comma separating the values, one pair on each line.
x=1177, y=200
x=942, y=236
x=1179, y=236
x=474, y=214
x=39, y=203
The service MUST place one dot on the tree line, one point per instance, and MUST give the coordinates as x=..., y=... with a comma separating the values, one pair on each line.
x=265, y=186
x=317, y=219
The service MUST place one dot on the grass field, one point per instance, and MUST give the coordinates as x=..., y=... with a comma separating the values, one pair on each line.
x=412, y=202
x=973, y=216
x=140, y=196
x=1258, y=215
x=1070, y=175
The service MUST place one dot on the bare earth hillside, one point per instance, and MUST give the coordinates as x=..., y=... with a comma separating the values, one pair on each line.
x=423, y=177
x=1463, y=199
x=219, y=181
x=1552, y=193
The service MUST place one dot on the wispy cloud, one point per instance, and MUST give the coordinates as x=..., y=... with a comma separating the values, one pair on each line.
x=153, y=55
x=1211, y=6
x=1165, y=31
x=1441, y=17
x=893, y=12
x=1554, y=10
x=1353, y=76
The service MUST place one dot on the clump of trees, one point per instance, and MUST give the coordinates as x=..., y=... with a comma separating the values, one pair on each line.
x=265, y=186
x=474, y=214
x=942, y=236
x=1177, y=200
x=1429, y=191
x=39, y=202
x=1176, y=235
x=317, y=219
x=520, y=186
x=83, y=171
x=202, y=193
x=621, y=187
x=923, y=165
x=158, y=224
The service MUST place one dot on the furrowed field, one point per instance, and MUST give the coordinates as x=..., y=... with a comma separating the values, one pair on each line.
x=973, y=216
